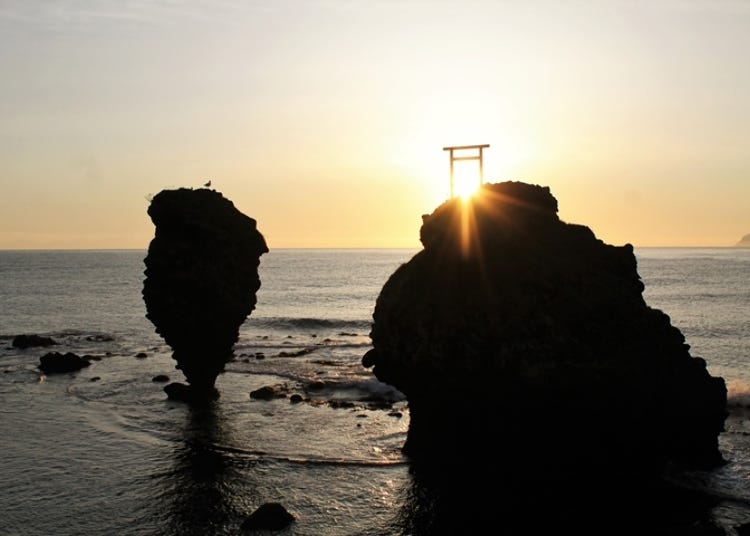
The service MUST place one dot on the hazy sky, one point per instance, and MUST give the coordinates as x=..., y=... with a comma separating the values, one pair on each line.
x=325, y=120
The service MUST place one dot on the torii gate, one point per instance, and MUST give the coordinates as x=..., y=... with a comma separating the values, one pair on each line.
x=476, y=157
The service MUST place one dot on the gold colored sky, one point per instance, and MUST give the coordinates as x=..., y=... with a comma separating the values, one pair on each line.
x=325, y=119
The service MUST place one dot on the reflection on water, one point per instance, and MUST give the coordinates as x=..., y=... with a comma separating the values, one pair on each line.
x=475, y=499
x=200, y=485
x=213, y=486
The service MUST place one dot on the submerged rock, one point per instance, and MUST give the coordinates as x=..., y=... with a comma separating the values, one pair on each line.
x=524, y=341
x=201, y=278
x=30, y=341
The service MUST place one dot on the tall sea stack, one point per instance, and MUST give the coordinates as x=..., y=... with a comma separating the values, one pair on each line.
x=201, y=281
x=525, y=342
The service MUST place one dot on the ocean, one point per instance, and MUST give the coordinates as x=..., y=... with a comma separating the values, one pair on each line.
x=103, y=451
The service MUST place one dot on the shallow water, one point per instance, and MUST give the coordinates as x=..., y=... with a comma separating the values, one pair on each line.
x=103, y=451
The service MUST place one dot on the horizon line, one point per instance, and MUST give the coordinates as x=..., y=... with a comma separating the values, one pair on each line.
x=351, y=248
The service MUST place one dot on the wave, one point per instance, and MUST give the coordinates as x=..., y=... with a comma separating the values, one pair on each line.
x=260, y=455
x=97, y=336
x=288, y=323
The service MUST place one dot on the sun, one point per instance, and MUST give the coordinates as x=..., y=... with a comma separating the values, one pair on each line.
x=466, y=179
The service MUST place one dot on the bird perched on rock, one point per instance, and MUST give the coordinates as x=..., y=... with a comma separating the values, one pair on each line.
x=207, y=184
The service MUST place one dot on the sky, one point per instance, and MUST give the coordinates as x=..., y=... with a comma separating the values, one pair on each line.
x=325, y=120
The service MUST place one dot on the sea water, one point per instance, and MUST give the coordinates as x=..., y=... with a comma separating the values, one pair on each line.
x=102, y=451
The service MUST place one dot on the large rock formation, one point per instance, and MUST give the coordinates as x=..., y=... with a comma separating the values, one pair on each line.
x=524, y=340
x=744, y=242
x=201, y=279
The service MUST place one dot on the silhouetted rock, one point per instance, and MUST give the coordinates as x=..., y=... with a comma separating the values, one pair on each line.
x=30, y=341
x=55, y=362
x=268, y=516
x=189, y=393
x=524, y=340
x=201, y=278
x=744, y=243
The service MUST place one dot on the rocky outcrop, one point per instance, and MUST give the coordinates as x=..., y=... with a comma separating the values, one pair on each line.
x=201, y=279
x=744, y=243
x=524, y=340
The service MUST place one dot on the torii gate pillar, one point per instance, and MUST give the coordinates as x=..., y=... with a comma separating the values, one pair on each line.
x=480, y=148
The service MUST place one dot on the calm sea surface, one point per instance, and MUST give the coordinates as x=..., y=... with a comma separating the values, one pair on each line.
x=102, y=451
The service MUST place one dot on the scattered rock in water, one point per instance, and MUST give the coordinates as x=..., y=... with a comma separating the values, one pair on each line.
x=296, y=398
x=315, y=385
x=269, y=392
x=339, y=404
x=141, y=355
x=95, y=379
x=268, y=516
x=160, y=378
x=201, y=278
x=56, y=362
x=525, y=341
x=32, y=341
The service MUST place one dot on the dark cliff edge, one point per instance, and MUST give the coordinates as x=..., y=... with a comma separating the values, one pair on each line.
x=524, y=344
x=201, y=281
x=744, y=243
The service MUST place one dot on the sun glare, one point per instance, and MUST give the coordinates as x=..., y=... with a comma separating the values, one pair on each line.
x=466, y=179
